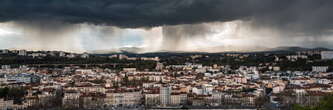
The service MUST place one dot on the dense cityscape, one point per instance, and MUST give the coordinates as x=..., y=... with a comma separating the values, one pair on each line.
x=275, y=80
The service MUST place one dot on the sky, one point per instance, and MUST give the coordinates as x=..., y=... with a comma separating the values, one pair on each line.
x=165, y=25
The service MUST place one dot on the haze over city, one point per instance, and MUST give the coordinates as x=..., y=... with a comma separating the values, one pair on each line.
x=164, y=25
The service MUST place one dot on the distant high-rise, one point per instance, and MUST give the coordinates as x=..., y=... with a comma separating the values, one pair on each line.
x=325, y=55
x=159, y=66
x=22, y=52
x=5, y=66
x=165, y=95
x=319, y=68
x=62, y=54
x=121, y=57
x=5, y=51
x=85, y=55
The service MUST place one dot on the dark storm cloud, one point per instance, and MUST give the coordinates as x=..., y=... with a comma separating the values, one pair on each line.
x=294, y=14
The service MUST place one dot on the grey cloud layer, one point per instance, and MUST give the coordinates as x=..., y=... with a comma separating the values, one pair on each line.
x=298, y=15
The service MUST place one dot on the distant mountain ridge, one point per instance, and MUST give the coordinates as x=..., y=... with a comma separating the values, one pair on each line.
x=299, y=49
x=137, y=50
x=120, y=50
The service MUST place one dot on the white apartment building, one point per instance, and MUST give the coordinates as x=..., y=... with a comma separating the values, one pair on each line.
x=123, y=97
x=319, y=68
x=165, y=95
x=325, y=55
x=152, y=99
x=22, y=52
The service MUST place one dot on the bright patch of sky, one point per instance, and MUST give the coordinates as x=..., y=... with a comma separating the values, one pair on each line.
x=108, y=38
x=8, y=37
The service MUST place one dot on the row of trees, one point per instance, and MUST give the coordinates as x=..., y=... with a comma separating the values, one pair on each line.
x=14, y=93
x=15, y=61
x=325, y=104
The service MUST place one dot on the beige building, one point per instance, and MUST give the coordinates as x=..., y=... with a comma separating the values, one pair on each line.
x=123, y=97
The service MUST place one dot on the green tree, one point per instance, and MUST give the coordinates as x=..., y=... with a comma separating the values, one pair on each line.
x=325, y=104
